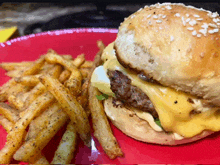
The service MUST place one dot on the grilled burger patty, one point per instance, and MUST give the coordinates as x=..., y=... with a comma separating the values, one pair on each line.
x=128, y=94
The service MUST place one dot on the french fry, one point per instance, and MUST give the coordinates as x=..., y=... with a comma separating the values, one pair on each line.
x=67, y=57
x=67, y=146
x=85, y=72
x=64, y=75
x=74, y=81
x=102, y=129
x=16, y=135
x=6, y=124
x=39, y=88
x=32, y=95
x=8, y=66
x=79, y=60
x=30, y=150
x=70, y=105
x=39, y=123
x=10, y=113
x=30, y=80
x=33, y=69
x=15, y=102
x=101, y=45
x=16, y=72
x=5, y=88
x=87, y=64
x=41, y=160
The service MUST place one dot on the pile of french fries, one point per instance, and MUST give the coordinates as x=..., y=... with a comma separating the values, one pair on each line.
x=41, y=97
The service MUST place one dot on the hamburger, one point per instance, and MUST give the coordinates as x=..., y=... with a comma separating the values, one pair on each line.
x=162, y=74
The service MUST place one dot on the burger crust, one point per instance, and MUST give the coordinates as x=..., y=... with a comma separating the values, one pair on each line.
x=139, y=129
x=176, y=45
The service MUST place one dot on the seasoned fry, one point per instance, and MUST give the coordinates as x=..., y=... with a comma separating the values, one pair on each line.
x=79, y=60
x=67, y=146
x=30, y=80
x=33, y=94
x=74, y=82
x=35, y=67
x=39, y=123
x=102, y=129
x=85, y=72
x=64, y=75
x=16, y=73
x=101, y=45
x=16, y=135
x=15, y=102
x=10, y=113
x=39, y=88
x=30, y=150
x=67, y=57
x=83, y=99
x=8, y=66
x=6, y=124
x=41, y=160
x=70, y=106
x=5, y=88
x=87, y=64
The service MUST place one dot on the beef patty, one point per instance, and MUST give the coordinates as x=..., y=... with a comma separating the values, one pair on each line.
x=128, y=94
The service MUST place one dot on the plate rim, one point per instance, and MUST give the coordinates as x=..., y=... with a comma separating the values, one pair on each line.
x=58, y=32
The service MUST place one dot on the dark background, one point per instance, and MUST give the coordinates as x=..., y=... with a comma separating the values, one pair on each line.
x=33, y=17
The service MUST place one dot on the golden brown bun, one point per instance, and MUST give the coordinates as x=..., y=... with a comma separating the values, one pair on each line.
x=176, y=45
x=139, y=129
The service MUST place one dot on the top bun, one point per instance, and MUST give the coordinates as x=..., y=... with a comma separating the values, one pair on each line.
x=176, y=45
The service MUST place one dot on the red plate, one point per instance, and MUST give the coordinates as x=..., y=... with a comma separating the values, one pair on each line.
x=74, y=42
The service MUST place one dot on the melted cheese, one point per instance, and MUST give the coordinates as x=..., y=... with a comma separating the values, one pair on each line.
x=172, y=106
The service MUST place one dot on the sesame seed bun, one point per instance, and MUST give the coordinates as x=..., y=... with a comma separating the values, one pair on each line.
x=176, y=45
x=139, y=129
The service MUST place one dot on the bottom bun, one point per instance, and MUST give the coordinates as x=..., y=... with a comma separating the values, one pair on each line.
x=139, y=129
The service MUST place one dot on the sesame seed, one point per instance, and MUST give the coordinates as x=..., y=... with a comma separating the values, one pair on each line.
x=177, y=15
x=164, y=16
x=188, y=19
x=194, y=33
x=160, y=28
x=205, y=25
x=155, y=16
x=216, y=20
x=149, y=23
x=163, y=8
x=199, y=35
x=211, y=31
x=168, y=7
x=184, y=22
x=171, y=38
x=199, y=19
x=159, y=21
x=213, y=25
x=190, y=28
x=132, y=16
x=218, y=23
x=160, y=15
x=215, y=30
x=149, y=16
x=214, y=15
x=193, y=22
x=139, y=9
x=187, y=15
x=203, y=31
x=195, y=15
